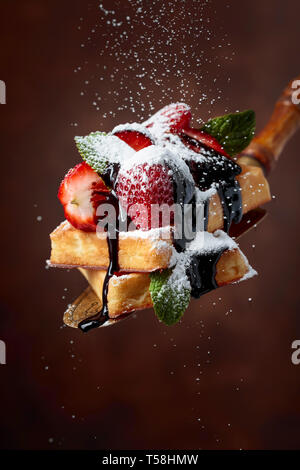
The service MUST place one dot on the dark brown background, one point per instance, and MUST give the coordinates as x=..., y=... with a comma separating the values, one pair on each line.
x=221, y=379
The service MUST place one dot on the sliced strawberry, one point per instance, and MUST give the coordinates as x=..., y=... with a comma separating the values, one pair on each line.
x=172, y=118
x=80, y=193
x=137, y=140
x=140, y=187
x=202, y=138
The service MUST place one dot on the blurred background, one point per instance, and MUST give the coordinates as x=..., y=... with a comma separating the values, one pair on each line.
x=223, y=378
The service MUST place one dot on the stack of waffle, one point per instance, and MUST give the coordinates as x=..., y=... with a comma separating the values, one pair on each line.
x=143, y=252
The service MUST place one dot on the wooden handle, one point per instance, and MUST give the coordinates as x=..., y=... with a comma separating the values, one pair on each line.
x=266, y=147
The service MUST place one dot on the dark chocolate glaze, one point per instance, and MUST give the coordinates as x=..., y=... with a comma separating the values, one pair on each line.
x=230, y=195
x=202, y=271
x=206, y=212
x=214, y=169
x=219, y=171
x=112, y=242
x=184, y=193
x=110, y=175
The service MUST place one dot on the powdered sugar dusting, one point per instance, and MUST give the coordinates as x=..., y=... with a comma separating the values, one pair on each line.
x=179, y=279
x=116, y=280
x=111, y=148
x=159, y=122
x=174, y=143
x=206, y=242
x=64, y=225
x=161, y=233
x=145, y=53
x=134, y=127
x=158, y=155
x=202, y=196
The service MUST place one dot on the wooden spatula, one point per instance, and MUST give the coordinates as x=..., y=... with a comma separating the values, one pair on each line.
x=85, y=306
x=263, y=151
x=266, y=147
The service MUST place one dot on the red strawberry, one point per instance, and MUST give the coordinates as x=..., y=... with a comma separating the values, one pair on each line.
x=203, y=138
x=80, y=193
x=172, y=118
x=137, y=140
x=141, y=186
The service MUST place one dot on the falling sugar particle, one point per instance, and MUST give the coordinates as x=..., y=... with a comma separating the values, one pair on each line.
x=134, y=60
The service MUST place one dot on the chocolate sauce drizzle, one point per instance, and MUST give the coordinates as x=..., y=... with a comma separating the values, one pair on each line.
x=202, y=272
x=219, y=171
x=184, y=193
x=216, y=170
x=112, y=231
x=230, y=195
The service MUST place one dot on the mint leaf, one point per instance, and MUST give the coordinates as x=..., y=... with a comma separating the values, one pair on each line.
x=170, y=298
x=233, y=131
x=87, y=147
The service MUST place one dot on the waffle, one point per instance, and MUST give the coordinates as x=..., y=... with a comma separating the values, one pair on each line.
x=141, y=251
x=130, y=292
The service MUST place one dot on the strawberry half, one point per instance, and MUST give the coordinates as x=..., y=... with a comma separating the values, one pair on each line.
x=172, y=118
x=140, y=187
x=202, y=138
x=80, y=193
x=135, y=139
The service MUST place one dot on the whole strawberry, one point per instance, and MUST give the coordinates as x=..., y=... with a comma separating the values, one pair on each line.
x=141, y=188
x=172, y=118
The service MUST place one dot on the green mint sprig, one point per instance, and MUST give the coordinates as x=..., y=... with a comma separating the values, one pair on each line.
x=87, y=147
x=233, y=131
x=170, y=299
